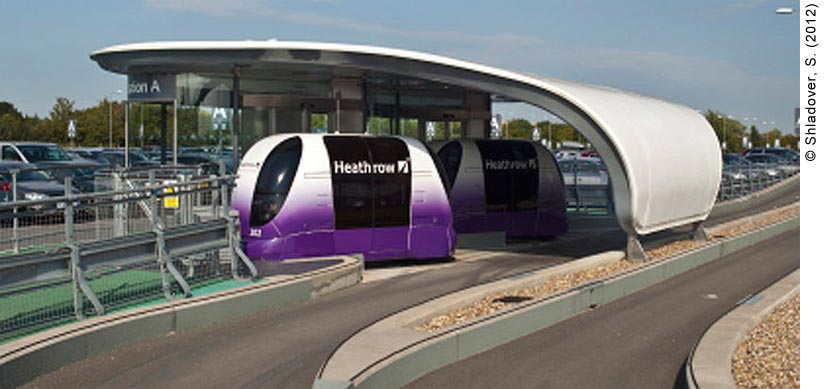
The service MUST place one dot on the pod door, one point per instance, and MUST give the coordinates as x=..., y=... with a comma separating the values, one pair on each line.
x=371, y=188
x=510, y=170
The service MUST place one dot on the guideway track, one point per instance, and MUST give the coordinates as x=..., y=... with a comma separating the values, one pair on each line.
x=284, y=348
x=639, y=341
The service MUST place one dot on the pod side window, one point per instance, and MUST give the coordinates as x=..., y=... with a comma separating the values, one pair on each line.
x=274, y=181
x=450, y=158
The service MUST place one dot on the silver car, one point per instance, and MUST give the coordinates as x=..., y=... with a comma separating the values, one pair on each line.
x=583, y=171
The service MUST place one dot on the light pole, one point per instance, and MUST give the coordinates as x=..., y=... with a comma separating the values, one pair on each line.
x=108, y=97
x=724, y=143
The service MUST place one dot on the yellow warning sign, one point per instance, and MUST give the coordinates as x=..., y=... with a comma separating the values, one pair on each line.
x=171, y=202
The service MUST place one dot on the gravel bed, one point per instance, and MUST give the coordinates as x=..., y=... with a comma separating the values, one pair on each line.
x=489, y=304
x=758, y=223
x=770, y=355
x=492, y=303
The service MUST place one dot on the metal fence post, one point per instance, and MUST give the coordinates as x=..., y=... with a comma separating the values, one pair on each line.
x=164, y=261
x=156, y=228
x=186, y=199
x=15, y=238
x=79, y=285
x=224, y=190
x=233, y=231
x=187, y=212
x=120, y=207
x=577, y=188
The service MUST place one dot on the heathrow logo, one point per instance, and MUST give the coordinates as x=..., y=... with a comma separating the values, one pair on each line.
x=504, y=164
x=364, y=167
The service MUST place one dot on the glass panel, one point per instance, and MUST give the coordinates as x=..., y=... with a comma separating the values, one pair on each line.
x=320, y=123
x=435, y=131
x=450, y=157
x=409, y=127
x=524, y=181
x=455, y=130
x=351, y=187
x=379, y=126
x=275, y=180
x=10, y=154
x=510, y=175
x=392, y=185
x=42, y=153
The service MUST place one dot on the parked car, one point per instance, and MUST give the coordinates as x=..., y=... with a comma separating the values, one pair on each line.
x=117, y=157
x=582, y=171
x=738, y=168
x=783, y=154
x=735, y=161
x=209, y=163
x=31, y=184
x=92, y=154
x=567, y=153
x=768, y=163
x=54, y=159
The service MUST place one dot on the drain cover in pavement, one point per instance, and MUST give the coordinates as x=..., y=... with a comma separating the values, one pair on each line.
x=511, y=299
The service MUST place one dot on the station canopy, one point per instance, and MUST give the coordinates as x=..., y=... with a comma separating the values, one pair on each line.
x=663, y=159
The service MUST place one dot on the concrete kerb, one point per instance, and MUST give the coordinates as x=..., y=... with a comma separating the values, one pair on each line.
x=24, y=359
x=710, y=365
x=391, y=354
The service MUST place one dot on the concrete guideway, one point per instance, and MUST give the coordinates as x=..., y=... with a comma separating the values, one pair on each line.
x=642, y=340
x=365, y=353
x=390, y=353
x=710, y=365
x=285, y=347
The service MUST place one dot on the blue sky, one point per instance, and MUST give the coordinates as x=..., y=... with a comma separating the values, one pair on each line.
x=735, y=56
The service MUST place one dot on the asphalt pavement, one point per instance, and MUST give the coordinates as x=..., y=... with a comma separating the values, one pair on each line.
x=284, y=348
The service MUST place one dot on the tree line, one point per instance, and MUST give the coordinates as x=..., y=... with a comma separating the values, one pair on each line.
x=733, y=130
x=92, y=124
x=195, y=127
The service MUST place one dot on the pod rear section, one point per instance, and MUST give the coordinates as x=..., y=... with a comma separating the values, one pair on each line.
x=503, y=185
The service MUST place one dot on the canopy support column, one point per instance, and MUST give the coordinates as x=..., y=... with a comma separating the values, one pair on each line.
x=127, y=107
x=635, y=251
x=699, y=233
x=235, y=116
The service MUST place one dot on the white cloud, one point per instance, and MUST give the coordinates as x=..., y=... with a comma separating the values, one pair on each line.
x=209, y=7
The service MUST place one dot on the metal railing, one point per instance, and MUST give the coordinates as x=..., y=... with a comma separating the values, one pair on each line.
x=587, y=189
x=148, y=234
x=584, y=194
x=741, y=181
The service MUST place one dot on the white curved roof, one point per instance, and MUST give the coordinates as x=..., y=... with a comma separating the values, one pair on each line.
x=663, y=158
